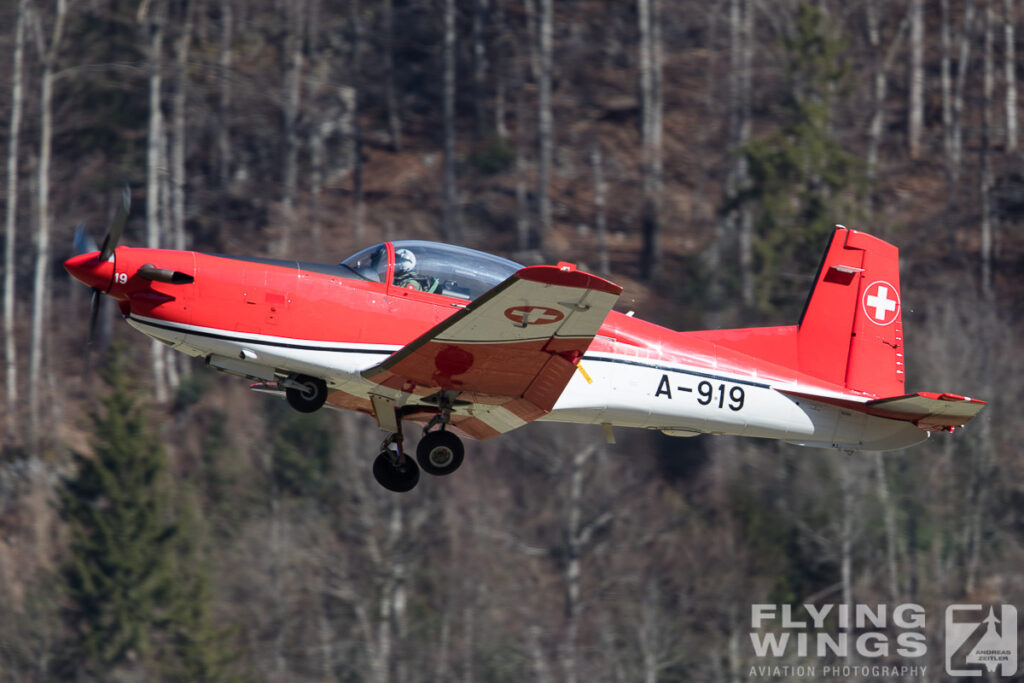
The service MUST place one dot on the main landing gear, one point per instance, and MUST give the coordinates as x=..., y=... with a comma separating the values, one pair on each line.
x=439, y=453
x=392, y=468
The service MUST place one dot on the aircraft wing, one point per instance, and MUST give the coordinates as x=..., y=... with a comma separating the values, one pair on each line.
x=508, y=354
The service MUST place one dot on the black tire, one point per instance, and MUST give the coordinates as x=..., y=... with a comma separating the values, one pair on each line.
x=440, y=453
x=310, y=398
x=398, y=479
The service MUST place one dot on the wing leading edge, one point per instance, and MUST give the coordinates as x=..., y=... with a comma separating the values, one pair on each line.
x=510, y=353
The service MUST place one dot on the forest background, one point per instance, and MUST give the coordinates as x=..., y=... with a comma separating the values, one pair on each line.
x=158, y=521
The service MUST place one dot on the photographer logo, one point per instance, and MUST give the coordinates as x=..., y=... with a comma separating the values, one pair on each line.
x=980, y=637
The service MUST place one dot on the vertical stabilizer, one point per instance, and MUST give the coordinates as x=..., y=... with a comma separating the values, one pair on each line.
x=851, y=330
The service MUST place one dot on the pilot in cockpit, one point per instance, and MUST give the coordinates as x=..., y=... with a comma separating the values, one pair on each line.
x=409, y=277
x=405, y=269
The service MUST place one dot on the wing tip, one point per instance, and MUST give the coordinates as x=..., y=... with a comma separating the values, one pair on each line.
x=566, y=275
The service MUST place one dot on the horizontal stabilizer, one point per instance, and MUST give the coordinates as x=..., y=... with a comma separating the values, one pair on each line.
x=929, y=411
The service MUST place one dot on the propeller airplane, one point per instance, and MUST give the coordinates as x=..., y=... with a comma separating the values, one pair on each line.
x=467, y=343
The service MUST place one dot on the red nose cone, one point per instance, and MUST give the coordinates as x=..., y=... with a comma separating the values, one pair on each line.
x=88, y=269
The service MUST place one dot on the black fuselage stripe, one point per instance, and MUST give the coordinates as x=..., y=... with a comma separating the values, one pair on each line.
x=385, y=352
x=667, y=368
x=261, y=342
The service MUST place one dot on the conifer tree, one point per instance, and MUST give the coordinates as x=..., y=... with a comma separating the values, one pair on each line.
x=802, y=181
x=136, y=604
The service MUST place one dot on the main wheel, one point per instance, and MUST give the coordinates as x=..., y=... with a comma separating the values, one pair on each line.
x=439, y=453
x=398, y=478
x=309, y=397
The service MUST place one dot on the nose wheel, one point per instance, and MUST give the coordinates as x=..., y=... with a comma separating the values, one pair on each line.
x=304, y=393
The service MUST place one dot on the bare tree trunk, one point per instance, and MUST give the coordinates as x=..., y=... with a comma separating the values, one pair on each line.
x=538, y=663
x=317, y=161
x=945, y=76
x=394, y=111
x=600, y=221
x=11, y=228
x=963, y=63
x=890, y=527
x=988, y=217
x=882, y=64
x=155, y=170
x=178, y=116
x=846, y=528
x=1011, y=76
x=449, y=219
x=545, y=120
x=480, y=10
x=915, y=115
x=726, y=223
x=326, y=633
x=323, y=119
x=573, y=568
x=350, y=100
x=179, y=104
x=296, y=21
x=224, y=106
x=500, y=70
x=522, y=200
x=347, y=125
x=468, y=645
x=745, y=240
x=649, y=20
x=41, y=284
x=733, y=230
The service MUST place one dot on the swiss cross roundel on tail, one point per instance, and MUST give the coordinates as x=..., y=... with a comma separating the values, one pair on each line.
x=881, y=303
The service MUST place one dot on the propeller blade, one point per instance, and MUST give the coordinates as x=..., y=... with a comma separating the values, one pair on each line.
x=94, y=312
x=117, y=226
x=84, y=243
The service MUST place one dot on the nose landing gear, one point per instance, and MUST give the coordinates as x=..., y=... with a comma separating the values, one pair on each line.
x=304, y=393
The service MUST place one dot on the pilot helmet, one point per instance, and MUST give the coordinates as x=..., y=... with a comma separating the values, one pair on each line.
x=405, y=261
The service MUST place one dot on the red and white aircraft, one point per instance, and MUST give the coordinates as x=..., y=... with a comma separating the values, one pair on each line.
x=466, y=342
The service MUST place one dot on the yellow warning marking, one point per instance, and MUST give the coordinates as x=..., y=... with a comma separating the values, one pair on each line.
x=579, y=366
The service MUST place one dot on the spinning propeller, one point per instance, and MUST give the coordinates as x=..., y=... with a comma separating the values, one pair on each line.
x=93, y=271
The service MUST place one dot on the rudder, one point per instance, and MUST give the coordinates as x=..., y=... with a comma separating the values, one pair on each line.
x=851, y=330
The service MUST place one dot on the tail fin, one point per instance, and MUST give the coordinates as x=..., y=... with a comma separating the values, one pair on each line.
x=851, y=330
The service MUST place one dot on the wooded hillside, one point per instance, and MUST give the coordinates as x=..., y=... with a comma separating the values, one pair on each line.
x=159, y=521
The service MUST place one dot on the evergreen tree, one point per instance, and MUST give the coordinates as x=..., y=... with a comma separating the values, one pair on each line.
x=136, y=604
x=802, y=181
